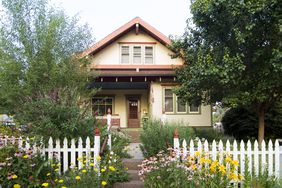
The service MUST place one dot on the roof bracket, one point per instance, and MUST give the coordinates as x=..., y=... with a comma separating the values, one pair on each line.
x=137, y=28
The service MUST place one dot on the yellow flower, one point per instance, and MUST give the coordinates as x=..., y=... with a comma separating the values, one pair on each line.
x=45, y=184
x=61, y=181
x=56, y=180
x=197, y=153
x=82, y=165
x=222, y=169
x=17, y=186
x=53, y=165
x=91, y=164
x=202, y=160
x=58, y=164
x=126, y=169
x=208, y=161
x=14, y=176
x=104, y=183
x=48, y=174
x=212, y=167
x=63, y=187
x=77, y=177
x=98, y=158
x=103, y=170
x=112, y=168
x=235, y=163
x=240, y=177
x=96, y=169
x=25, y=156
x=228, y=159
x=233, y=176
x=56, y=170
x=194, y=167
x=215, y=163
x=83, y=171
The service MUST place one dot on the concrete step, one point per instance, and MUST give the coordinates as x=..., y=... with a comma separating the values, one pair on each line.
x=130, y=184
x=133, y=175
x=132, y=164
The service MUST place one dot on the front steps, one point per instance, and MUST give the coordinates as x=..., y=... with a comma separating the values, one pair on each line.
x=134, y=180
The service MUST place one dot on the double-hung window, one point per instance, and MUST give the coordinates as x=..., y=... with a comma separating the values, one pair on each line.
x=125, y=54
x=137, y=54
x=148, y=54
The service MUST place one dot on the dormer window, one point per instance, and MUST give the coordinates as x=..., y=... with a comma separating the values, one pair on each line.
x=137, y=54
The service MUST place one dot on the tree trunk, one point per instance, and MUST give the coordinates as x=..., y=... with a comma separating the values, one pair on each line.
x=261, y=126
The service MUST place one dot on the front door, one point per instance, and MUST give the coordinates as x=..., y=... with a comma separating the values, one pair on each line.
x=133, y=113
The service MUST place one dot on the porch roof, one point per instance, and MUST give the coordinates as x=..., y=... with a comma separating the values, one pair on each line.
x=120, y=85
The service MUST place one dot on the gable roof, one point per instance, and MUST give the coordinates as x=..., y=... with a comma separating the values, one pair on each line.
x=123, y=30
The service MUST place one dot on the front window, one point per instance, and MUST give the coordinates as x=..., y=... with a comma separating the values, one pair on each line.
x=174, y=104
x=181, y=105
x=100, y=105
x=194, y=108
x=168, y=100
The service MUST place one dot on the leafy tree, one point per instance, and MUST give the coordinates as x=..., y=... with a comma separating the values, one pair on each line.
x=42, y=79
x=233, y=54
x=243, y=123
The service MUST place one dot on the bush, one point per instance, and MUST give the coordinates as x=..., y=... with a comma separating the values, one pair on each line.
x=199, y=170
x=243, y=124
x=157, y=137
x=22, y=168
x=46, y=118
x=210, y=134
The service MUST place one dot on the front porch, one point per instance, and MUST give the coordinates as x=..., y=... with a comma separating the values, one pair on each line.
x=128, y=106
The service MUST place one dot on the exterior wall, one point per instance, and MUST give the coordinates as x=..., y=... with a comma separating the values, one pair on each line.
x=156, y=98
x=120, y=105
x=111, y=54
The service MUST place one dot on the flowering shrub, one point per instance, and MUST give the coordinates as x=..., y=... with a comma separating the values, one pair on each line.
x=167, y=170
x=22, y=168
x=111, y=170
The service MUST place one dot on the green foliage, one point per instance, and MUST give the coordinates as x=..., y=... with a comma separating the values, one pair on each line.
x=57, y=120
x=210, y=134
x=242, y=123
x=40, y=67
x=22, y=168
x=232, y=54
x=111, y=170
x=167, y=171
x=119, y=142
x=157, y=137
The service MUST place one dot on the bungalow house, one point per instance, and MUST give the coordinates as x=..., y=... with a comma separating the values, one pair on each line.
x=136, y=77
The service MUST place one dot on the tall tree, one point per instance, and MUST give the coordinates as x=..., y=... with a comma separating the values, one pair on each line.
x=233, y=53
x=38, y=61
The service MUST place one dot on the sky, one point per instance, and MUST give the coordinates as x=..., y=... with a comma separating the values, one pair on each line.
x=105, y=16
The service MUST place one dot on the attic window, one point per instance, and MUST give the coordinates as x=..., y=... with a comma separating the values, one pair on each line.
x=137, y=54
x=148, y=54
x=125, y=54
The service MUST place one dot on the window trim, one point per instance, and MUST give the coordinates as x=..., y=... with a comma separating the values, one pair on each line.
x=131, y=53
x=175, y=103
x=194, y=112
x=103, y=97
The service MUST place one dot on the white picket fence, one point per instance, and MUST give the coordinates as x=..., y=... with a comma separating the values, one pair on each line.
x=249, y=156
x=66, y=153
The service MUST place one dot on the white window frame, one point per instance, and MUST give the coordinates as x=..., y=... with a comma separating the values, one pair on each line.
x=131, y=54
x=176, y=103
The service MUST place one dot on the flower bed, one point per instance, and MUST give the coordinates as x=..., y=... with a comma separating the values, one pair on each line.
x=167, y=170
